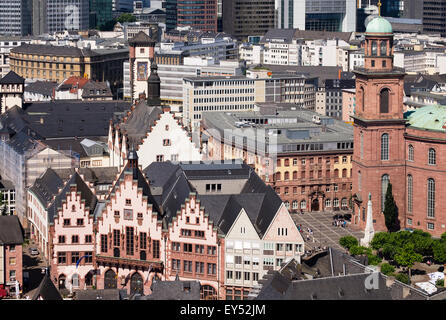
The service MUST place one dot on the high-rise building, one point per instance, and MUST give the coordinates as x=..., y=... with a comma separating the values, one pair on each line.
x=434, y=16
x=244, y=18
x=316, y=15
x=200, y=15
x=100, y=12
x=39, y=22
x=15, y=17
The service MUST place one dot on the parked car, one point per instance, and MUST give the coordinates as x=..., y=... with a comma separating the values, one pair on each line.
x=34, y=252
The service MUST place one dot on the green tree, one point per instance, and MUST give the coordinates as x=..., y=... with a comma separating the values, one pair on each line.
x=423, y=243
x=126, y=17
x=407, y=256
x=373, y=260
x=390, y=211
x=379, y=240
x=348, y=241
x=443, y=236
x=439, y=252
x=439, y=283
x=387, y=269
x=388, y=251
x=404, y=278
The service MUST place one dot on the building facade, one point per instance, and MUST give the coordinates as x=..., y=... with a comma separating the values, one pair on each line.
x=202, y=15
x=15, y=17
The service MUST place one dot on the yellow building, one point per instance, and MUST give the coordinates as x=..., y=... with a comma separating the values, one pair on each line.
x=56, y=63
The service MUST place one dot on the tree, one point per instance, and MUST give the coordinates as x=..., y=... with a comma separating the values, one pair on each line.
x=391, y=211
x=388, y=251
x=404, y=278
x=379, y=240
x=439, y=251
x=407, y=256
x=348, y=241
x=373, y=260
x=387, y=269
x=126, y=17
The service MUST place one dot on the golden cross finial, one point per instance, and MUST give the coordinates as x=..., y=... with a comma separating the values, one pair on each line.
x=379, y=7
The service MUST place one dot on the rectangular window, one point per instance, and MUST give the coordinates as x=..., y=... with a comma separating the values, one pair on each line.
x=238, y=275
x=61, y=257
x=129, y=245
x=199, y=248
x=104, y=243
x=255, y=276
x=74, y=257
x=247, y=276
x=199, y=234
x=66, y=222
x=199, y=267
x=212, y=250
x=116, y=238
x=187, y=247
x=61, y=239
x=88, y=257
x=12, y=261
x=238, y=259
x=176, y=246
x=187, y=266
x=143, y=240
x=128, y=214
x=88, y=238
x=430, y=226
x=156, y=249
x=176, y=264
x=229, y=274
x=80, y=222
x=74, y=239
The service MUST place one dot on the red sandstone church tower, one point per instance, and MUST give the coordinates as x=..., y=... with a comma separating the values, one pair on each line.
x=379, y=126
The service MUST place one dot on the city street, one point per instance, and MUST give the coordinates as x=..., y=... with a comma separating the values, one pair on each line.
x=33, y=266
x=324, y=233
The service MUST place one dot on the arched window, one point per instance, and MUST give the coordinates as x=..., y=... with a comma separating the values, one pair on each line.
x=287, y=175
x=336, y=203
x=431, y=198
x=336, y=173
x=303, y=204
x=287, y=204
x=344, y=173
x=361, y=136
x=384, y=101
x=277, y=176
x=294, y=175
x=362, y=95
x=344, y=203
x=383, y=48
x=359, y=180
x=327, y=203
x=410, y=153
x=374, y=48
x=385, y=147
x=432, y=157
x=384, y=184
x=409, y=193
x=295, y=204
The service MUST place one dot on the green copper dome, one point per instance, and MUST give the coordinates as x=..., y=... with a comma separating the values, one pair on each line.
x=430, y=117
x=379, y=25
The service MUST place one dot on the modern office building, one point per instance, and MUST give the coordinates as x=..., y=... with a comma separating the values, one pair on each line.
x=100, y=12
x=433, y=16
x=67, y=15
x=244, y=18
x=316, y=15
x=15, y=17
x=200, y=15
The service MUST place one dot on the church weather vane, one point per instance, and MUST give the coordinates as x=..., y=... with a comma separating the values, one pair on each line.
x=379, y=7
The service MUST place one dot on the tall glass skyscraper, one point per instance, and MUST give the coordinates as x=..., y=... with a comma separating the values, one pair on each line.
x=15, y=17
x=197, y=14
x=328, y=15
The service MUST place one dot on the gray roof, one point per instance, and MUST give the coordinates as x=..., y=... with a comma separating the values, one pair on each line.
x=100, y=294
x=11, y=230
x=282, y=35
x=44, y=88
x=95, y=89
x=174, y=290
x=12, y=78
x=47, y=186
x=327, y=281
x=46, y=290
x=45, y=49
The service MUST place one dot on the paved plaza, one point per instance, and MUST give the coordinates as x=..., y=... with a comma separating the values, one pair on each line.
x=324, y=233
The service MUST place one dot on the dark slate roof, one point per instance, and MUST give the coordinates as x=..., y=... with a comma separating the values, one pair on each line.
x=82, y=187
x=90, y=90
x=44, y=88
x=73, y=145
x=68, y=118
x=139, y=122
x=100, y=294
x=278, y=34
x=45, y=49
x=174, y=290
x=141, y=38
x=315, y=35
x=47, y=186
x=289, y=284
x=12, y=78
x=11, y=230
x=47, y=290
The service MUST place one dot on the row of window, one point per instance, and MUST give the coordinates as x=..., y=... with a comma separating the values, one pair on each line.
x=73, y=257
x=199, y=248
x=246, y=275
x=328, y=203
x=187, y=266
x=286, y=175
x=286, y=162
x=75, y=239
x=286, y=190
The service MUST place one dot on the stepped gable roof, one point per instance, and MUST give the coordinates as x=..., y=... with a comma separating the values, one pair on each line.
x=46, y=290
x=44, y=88
x=141, y=182
x=12, y=78
x=11, y=230
x=139, y=122
x=82, y=187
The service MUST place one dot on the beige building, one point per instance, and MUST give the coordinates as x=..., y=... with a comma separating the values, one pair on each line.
x=240, y=93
